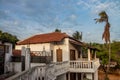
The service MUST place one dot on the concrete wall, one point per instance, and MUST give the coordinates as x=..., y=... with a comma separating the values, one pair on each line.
x=35, y=47
x=15, y=67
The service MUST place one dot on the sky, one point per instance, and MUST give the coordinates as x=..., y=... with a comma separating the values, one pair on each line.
x=25, y=18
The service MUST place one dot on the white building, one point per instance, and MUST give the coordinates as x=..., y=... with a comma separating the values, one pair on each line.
x=64, y=49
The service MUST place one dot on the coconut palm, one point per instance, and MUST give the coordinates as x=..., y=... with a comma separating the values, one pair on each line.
x=77, y=35
x=106, y=34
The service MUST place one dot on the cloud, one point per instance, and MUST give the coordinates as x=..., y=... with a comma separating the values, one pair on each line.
x=73, y=17
x=98, y=5
x=27, y=17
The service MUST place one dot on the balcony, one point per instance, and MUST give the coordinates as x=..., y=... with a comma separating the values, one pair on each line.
x=84, y=65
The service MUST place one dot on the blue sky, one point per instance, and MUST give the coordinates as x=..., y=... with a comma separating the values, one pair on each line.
x=25, y=18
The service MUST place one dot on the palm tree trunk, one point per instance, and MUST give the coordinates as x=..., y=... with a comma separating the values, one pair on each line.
x=109, y=56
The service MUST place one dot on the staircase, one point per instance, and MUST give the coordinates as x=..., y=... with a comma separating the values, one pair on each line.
x=44, y=72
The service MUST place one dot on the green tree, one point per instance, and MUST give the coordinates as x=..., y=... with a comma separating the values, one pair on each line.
x=57, y=30
x=7, y=37
x=77, y=35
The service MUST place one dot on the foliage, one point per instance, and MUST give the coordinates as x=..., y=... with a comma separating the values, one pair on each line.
x=77, y=35
x=103, y=53
x=57, y=30
x=7, y=37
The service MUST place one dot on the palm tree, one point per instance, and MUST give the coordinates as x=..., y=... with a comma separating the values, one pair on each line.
x=77, y=35
x=104, y=18
x=106, y=34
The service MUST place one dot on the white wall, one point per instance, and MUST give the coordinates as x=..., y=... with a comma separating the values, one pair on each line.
x=15, y=66
x=35, y=47
x=65, y=50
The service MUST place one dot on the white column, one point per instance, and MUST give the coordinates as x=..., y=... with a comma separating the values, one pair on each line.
x=81, y=53
x=23, y=51
x=82, y=76
x=95, y=55
x=88, y=54
x=27, y=59
x=96, y=75
x=76, y=76
x=68, y=76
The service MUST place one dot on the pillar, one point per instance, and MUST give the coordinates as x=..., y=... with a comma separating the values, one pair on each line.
x=95, y=55
x=82, y=74
x=76, y=76
x=68, y=76
x=23, y=53
x=88, y=54
x=96, y=75
x=27, y=59
x=81, y=53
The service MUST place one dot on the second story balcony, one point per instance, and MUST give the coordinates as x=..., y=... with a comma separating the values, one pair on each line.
x=83, y=65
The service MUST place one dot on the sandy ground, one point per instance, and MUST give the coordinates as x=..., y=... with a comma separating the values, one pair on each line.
x=111, y=76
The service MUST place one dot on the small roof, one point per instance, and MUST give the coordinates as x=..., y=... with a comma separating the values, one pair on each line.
x=76, y=42
x=44, y=38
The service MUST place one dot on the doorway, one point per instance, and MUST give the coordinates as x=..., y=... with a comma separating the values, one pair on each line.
x=72, y=54
x=59, y=55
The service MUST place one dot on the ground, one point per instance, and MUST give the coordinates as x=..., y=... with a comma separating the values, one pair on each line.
x=111, y=76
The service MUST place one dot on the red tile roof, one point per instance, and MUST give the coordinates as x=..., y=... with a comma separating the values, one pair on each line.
x=44, y=38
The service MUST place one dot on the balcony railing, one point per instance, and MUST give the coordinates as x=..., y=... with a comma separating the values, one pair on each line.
x=84, y=66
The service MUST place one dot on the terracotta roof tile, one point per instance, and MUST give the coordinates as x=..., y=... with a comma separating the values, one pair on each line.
x=44, y=38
